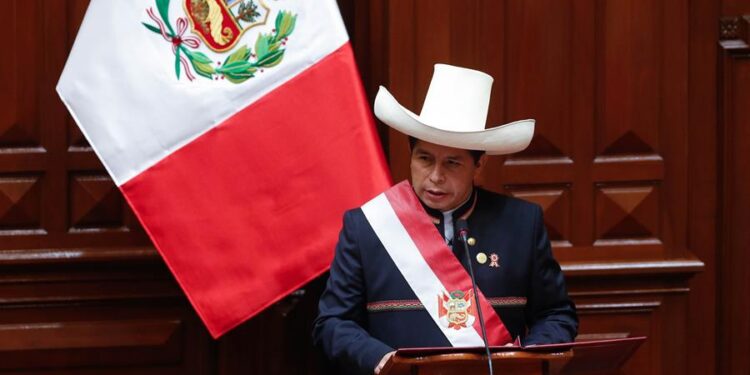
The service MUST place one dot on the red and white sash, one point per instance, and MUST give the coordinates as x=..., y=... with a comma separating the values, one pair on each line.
x=430, y=268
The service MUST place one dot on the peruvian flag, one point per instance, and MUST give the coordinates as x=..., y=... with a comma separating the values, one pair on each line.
x=237, y=130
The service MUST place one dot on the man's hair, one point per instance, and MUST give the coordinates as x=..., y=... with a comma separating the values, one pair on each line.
x=475, y=154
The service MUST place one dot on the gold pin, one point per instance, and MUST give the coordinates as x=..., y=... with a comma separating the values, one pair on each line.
x=482, y=258
x=471, y=241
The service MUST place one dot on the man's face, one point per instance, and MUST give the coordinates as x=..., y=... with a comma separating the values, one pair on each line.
x=442, y=176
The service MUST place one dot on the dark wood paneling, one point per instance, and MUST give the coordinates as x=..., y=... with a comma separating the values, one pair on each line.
x=114, y=310
x=53, y=191
x=732, y=8
x=734, y=280
x=702, y=186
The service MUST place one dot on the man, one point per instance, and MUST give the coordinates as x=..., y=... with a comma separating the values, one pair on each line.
x=399, y=277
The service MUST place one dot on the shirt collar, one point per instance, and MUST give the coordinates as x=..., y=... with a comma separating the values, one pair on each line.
x=457, y=212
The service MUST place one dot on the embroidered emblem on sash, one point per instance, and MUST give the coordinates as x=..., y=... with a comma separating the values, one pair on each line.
x=430, y=268
x=456, y=310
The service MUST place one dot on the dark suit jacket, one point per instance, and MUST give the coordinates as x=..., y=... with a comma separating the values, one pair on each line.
x=355, y=329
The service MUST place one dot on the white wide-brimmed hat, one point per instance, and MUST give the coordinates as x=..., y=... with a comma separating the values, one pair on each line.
x=454, y=114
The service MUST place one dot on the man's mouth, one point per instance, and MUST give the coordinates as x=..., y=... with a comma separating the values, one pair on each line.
x=435, y=194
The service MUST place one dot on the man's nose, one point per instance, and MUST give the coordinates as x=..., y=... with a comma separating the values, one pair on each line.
x=436, y=174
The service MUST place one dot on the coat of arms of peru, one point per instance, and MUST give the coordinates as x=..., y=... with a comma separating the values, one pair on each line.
x=220, y=25
x=455, y=309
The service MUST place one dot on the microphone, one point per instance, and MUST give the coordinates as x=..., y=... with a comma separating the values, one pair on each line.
x=463, y=232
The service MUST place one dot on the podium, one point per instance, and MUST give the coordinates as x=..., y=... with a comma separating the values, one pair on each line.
x=602, y=357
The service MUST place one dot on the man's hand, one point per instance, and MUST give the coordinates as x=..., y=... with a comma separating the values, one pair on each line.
x=383, y=361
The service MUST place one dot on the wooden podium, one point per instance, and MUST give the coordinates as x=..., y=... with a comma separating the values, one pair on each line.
x=587, y=357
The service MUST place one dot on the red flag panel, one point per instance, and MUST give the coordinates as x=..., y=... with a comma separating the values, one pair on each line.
x=250, y=210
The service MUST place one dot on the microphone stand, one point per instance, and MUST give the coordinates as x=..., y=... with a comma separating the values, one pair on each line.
x=463, y=231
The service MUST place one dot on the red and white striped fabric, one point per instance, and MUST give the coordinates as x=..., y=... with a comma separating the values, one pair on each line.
x=429, y=266
x=238, y=131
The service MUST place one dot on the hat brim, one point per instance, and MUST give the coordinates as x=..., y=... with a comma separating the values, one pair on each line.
x=500, y=140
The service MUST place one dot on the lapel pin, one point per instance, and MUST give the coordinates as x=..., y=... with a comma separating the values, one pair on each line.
x=494, y=260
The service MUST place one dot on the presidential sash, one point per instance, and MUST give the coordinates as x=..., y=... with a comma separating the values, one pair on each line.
x=435, y=275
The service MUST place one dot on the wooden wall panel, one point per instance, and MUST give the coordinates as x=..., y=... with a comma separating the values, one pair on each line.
x=734, y=8
x=702, y=160
x=734, y=280
x=90, y=343
x=65, y=311
x=555, y=200
x=622, y=320
x=54, y=193
x=628, y=78
x=537, y=75
x=21, y=123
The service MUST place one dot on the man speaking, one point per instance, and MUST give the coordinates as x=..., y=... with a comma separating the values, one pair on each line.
x=399, y=276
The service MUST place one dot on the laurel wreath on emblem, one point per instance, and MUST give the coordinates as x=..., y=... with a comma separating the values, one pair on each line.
x=239, y=66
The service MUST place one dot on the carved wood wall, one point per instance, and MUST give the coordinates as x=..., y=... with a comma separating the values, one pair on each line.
x=624, y=163
x=734, y=280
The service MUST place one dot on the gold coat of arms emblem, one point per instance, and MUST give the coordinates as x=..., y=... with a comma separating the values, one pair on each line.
x=456, y=310
x=219, y=24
